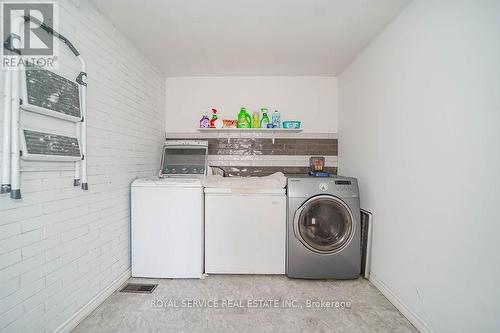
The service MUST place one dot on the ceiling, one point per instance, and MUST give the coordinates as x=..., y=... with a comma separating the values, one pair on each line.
x=250, y=37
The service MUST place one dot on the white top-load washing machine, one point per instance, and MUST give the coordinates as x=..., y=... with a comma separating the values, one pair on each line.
x=167, y=214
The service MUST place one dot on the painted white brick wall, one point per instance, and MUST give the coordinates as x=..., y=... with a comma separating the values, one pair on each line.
x=61, y=246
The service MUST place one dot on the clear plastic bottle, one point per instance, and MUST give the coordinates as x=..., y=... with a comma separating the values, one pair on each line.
x=276, y=119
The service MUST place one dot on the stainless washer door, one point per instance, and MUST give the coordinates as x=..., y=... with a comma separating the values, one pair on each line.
x=324, y=224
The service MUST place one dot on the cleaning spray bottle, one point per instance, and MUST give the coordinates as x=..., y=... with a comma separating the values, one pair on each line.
x=214, y=118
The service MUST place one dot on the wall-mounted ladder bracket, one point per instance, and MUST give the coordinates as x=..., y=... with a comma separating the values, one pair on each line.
x=81, y=79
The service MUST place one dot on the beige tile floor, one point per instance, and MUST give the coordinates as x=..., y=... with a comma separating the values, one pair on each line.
x=258, y=306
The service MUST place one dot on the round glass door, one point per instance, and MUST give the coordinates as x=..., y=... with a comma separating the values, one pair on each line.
x=324, y=224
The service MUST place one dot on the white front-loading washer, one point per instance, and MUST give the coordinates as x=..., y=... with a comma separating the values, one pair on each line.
x=167, y=215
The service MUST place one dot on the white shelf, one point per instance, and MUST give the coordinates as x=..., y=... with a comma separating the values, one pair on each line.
x=272, y=131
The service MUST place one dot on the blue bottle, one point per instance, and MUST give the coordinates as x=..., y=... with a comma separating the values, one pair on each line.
x=276, y=119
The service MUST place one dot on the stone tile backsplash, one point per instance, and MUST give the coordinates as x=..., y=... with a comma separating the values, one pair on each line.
x=258, y=156
x=252, y=146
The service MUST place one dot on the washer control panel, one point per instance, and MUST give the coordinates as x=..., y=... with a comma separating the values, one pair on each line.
x=304, y=186
x=345, y=185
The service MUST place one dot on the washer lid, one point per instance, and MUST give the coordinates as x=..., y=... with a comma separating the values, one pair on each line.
x=242, y=190
x=167, y=182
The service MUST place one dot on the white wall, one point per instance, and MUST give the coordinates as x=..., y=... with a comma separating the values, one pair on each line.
x=419, y=126
x=61, y=246
x=313, y=100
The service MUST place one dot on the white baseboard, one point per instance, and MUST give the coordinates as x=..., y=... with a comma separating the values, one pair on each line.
x=85, y=310
x=415, y=320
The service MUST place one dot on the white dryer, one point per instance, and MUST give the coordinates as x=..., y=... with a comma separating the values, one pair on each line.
x=245, y=231
x=167, y=214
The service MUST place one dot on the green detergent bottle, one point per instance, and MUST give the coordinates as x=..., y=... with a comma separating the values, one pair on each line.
x=244, y=119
